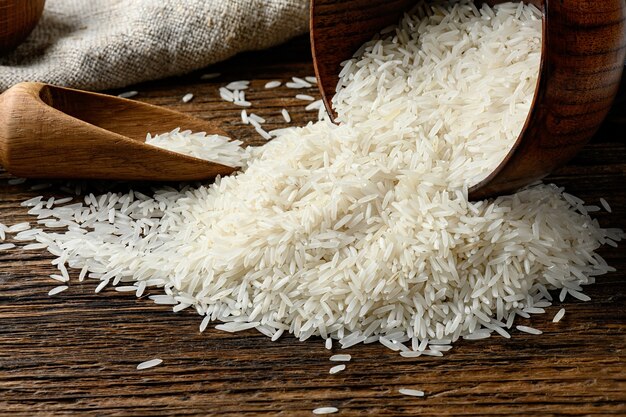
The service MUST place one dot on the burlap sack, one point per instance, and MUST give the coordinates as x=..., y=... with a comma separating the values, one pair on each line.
x=99, y=44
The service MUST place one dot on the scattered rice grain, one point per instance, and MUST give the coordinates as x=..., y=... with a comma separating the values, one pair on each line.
x=149, y=364
x=558, y=316
x=57, y=290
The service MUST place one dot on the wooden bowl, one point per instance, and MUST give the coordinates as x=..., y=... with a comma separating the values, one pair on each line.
x=584, y=45
x=17, y=19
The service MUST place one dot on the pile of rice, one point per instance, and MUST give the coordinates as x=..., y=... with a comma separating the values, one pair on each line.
x=214, y=148
x=363, y=231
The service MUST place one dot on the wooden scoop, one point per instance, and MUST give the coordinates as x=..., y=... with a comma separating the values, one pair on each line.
x=582, y=61
x=17, y=19
x=55, y=132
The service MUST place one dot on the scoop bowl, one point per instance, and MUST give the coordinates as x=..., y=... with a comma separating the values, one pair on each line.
x=55, y=132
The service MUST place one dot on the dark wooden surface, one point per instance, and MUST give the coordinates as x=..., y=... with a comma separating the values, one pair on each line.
x=76, y=353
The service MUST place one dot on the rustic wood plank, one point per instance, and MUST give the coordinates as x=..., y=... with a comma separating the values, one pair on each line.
x=76, y=353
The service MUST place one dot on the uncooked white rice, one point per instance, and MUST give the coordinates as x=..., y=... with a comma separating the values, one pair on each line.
x=311, y=79
x=336, y=369
x=363, y=231
x=263, y=133
x=341, y=358
x=149, y=364
x=256, y=118
x=213, y=148
x=305, y=97
x=278, y=132
x=59, y=278
x=272, y=84
x=141, y=287
x=606, y=205
x=238, y=85
x=128, y=94
x=445, y=65
x=534, y=310
x=277, y=335
x=254, y=122
x=5, y=246
x=411, y=392
x=34, y=246
x=101, y=286
x=226, y=94
x=205, y=322
x=17, y=181
x=558, y=316
x=325, y=410
x=126, y=288
x=411, y=354
x=26, y=235
x=296, y=85
x=286, y=115
x=578, y=295
x=430, y=352
x=236, y=326
x=57, y=290
x=31, y=203
x=527, y=329
x=316, y=105
x=187, y=98
x=477, y=335
x=19, y=227
x=301, y=82
x=440, y=348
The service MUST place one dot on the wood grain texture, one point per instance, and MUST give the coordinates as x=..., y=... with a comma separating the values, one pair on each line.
x=55, y=132
x=76, y=353
x=17, y=19
x=584, y=45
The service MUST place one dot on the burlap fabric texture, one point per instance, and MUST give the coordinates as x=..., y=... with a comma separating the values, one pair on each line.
x=100, y=44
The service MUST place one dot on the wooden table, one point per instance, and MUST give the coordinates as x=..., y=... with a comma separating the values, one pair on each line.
x=76, y=353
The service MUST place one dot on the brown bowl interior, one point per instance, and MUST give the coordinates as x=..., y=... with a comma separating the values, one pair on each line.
x=17, y=20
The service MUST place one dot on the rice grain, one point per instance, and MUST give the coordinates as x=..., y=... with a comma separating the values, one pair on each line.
x=558, y=316
x=411, y=392
x=325, y=410
x=149, y=364
x=57, y=290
